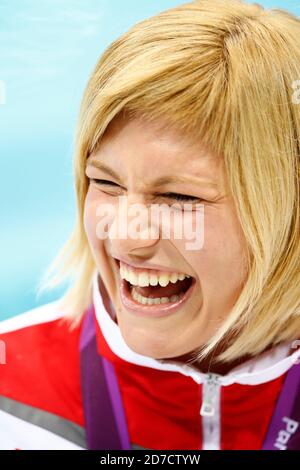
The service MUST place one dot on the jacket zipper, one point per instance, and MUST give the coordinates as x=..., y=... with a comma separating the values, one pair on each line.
x=210, y=412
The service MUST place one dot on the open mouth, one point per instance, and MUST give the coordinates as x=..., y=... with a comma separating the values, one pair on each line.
x=154, y=291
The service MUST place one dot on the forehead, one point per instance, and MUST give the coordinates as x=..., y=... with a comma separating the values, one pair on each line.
x=156, y=144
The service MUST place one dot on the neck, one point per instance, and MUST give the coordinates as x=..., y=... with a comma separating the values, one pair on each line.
x=206, y=365
x=209, y=363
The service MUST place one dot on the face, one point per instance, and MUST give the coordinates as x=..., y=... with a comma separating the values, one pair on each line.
x=147, y=164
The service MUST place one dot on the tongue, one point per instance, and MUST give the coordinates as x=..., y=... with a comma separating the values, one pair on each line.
x=168, y=291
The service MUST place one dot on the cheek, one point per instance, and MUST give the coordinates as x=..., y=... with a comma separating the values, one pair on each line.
x=90, y=220
x=222, y=258
x=222, y=255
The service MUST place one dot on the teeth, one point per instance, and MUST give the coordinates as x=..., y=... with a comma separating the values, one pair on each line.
x=133, y=278
x=174, y=278
x=164, y=280
x=143, y=279
x=147, y=278
x=153, y=280
x=150, y=301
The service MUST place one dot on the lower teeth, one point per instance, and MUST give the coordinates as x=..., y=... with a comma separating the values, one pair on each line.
x=150, y=301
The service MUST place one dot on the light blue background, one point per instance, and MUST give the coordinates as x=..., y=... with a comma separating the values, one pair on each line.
x=47, y=50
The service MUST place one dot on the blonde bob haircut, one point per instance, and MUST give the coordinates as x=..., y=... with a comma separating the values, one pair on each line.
x=223, y=71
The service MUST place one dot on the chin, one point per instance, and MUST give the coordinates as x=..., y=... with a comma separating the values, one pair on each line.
x=141, y=344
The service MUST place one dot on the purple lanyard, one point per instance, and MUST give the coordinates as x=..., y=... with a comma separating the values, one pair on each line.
x=284, y=428
x=105, y=420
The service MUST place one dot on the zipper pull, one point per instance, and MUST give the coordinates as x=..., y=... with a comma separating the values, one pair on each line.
x=210, y=390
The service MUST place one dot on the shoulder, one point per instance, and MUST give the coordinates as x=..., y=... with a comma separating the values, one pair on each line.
x=41, y=366
x=46, y=313
x=40, y=334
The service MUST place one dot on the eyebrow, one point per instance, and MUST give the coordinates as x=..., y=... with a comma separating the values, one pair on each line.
x=101, y=166
x=164, y=180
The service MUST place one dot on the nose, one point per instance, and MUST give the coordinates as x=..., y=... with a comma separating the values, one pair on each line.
x=132, y=229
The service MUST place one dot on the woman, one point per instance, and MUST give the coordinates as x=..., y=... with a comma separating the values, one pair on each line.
x=156, y=344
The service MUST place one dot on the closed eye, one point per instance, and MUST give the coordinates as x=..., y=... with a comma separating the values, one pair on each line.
x=105, y=182
x=181, y=197
x=175, y=196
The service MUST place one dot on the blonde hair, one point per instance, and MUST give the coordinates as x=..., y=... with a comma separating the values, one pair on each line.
x=223, y=71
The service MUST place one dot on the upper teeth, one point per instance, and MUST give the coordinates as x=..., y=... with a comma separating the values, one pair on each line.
x=147, y=278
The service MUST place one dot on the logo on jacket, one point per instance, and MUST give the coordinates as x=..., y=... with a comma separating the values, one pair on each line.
x=285, y=434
